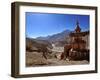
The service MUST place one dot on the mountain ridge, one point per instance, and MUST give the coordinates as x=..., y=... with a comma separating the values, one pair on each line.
x=56, y=37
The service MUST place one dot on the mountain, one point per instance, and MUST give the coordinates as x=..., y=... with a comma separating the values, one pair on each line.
x=59, y=37
x=59, y=40
x=43, y=38
x=36, y=45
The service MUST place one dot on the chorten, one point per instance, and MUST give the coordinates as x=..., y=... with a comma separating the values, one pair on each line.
x=77, y=42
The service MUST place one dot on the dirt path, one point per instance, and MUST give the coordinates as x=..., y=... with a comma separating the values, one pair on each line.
x=65, y=62
x=57, y=49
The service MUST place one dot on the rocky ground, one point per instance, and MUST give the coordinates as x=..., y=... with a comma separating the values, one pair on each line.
x=35, y=59
x=53, y=59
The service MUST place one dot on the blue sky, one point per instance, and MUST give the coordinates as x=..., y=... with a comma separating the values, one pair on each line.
x=44, y=24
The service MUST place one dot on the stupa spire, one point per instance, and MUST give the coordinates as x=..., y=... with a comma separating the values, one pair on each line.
x=78, y=29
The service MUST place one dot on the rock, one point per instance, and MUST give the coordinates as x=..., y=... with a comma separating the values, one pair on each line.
x=35, y=59
x=79, y=55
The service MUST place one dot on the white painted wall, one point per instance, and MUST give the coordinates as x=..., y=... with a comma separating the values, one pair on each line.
x=5, y=40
